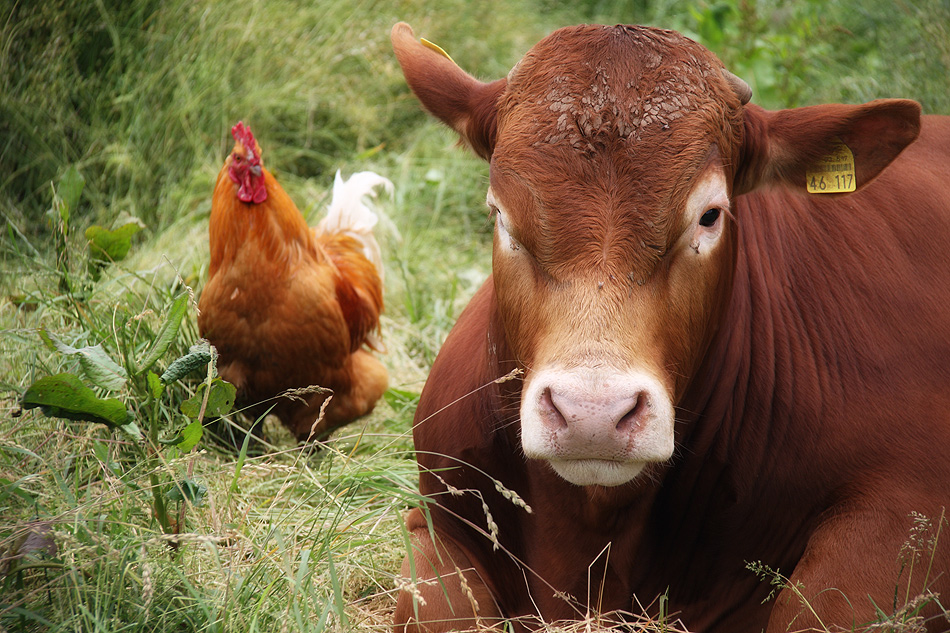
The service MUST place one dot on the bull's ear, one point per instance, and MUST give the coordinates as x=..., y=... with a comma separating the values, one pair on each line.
x=461, y=101
x=781, y=147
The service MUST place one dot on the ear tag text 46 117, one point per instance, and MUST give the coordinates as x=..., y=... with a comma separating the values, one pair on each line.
x=834, y=173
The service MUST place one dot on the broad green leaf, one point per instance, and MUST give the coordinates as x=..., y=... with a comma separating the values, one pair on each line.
x=96, y=364
x=47, y=339
x=106, y=245
x=190, y=436
x=187, y=489
x=198, y=356
x=167, y=334
x=220, y=400
x=70, y=188
x=64, y=396
x=187, y=438
x=132, y=429
x=155, y=385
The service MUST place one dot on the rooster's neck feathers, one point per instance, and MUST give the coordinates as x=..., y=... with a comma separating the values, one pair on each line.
x=276, y=224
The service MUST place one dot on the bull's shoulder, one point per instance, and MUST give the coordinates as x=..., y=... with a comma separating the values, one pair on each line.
x=460, y=401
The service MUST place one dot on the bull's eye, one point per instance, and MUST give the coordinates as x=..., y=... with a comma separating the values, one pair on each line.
x=503, y=231
x=501, y=223
x=709, y=218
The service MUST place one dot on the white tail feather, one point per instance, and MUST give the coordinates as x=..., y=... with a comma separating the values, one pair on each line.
x=348, y=213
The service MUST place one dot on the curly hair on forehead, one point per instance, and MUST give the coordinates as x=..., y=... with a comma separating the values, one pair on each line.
x=624, y=82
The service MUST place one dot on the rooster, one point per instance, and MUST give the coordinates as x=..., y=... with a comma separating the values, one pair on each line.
x=290, y=307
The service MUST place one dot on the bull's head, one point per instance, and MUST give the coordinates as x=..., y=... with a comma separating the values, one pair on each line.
x=616, y=154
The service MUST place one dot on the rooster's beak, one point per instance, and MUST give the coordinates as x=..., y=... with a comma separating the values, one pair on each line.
x=256, y=170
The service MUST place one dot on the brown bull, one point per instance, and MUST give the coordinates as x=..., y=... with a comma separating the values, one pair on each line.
x=719, y=368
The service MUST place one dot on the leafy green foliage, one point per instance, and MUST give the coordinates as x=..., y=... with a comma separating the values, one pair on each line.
x=166, y=335
x=64, y=396
x=214, y=399
x=197, y=357
x=95, y=363
x=65, y=198
x=188, y=489
x=109, y=246
x=188, y=437
x=69, y=190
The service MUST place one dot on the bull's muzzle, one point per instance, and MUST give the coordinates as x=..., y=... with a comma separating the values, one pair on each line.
x=596, y=426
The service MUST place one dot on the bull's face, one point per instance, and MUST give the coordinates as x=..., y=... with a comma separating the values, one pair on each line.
x=614, y=244
x=614, y=154
x=607, y=305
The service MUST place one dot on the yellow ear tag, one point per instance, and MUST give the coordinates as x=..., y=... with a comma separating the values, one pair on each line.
x=834, y=173
x=438, y=49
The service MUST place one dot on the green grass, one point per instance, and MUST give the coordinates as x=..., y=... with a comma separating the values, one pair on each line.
x=139, y=97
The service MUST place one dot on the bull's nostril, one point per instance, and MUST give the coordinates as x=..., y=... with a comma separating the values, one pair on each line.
x=560, y=412
x=550, y=414
x=632, y=418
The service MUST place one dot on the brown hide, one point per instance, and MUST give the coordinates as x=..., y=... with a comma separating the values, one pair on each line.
x=661, y=275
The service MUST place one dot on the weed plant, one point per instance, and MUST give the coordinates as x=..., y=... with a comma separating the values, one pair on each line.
x=116, y=114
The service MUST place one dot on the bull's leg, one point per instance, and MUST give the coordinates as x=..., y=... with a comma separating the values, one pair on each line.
x=851, y=569
x=441, y=591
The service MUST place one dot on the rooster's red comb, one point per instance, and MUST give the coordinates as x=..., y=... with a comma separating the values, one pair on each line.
x=242, y=134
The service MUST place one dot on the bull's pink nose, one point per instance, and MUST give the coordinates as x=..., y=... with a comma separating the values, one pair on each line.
x=603, y=415
x=596, y=425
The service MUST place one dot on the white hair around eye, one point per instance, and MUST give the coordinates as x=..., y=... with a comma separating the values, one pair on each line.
x=501, y=222
x=706, y=209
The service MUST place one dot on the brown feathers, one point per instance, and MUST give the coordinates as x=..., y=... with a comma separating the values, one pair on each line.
x=289, y=308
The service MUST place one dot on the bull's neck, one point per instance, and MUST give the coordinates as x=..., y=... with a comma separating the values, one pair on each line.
x=781, y=316
x=755, y=398
x=731, y=381
x=275, y=226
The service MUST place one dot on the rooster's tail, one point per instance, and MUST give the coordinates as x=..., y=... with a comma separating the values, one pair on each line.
x=349, y=214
